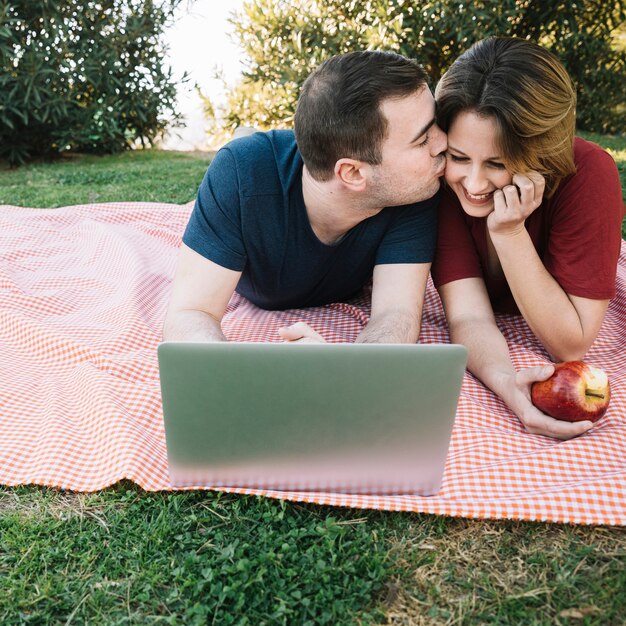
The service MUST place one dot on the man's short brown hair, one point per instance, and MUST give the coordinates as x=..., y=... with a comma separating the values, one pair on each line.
x=338, y=113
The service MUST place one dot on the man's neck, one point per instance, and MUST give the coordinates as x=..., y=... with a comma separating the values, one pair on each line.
x=330, y=209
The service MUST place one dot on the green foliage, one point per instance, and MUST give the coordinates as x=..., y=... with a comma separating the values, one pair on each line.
x=82, y=76
x=284, y=40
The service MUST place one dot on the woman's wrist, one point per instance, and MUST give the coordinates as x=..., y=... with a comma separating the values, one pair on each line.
x=501, y=382
x=508, y=234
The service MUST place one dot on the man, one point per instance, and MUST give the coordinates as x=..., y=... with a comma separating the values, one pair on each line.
x=302, y=221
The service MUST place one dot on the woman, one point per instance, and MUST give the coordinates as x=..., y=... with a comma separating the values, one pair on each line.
x=530, y=221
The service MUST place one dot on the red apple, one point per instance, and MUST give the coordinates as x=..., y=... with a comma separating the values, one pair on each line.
x=575, y=392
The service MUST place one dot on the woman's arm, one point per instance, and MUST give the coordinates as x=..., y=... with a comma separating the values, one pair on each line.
x=472, y=323
x=566, y=325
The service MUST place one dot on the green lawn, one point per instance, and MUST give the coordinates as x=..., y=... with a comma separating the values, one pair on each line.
x=138, y=176
x=123, y=556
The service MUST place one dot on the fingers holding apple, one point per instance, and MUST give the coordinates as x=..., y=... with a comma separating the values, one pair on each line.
x=575, y=392
x=536, y=422
x=530, y=375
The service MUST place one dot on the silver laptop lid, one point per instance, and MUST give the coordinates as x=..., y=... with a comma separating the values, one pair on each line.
x=357, y=418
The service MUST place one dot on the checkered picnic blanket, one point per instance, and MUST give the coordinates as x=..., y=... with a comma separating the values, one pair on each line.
x=83, y=292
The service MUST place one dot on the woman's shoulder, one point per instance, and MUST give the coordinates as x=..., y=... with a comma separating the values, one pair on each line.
x=595, y=167
x=588, y=153
x=596, y=182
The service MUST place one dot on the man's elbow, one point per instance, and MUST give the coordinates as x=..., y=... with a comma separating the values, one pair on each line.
x=409, y=325
x=174, y=325
x=167, y=333
x=191, y=325
x=391, y=327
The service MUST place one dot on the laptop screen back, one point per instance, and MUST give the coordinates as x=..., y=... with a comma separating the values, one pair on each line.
x=345, y=417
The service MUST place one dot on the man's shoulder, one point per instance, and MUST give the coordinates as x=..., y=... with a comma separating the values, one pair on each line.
x=268, y=142
x=266, y=162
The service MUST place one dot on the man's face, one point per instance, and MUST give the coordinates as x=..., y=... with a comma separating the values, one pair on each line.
x=413, y=151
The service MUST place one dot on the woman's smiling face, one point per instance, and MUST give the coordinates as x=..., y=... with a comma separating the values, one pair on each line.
x=475, y=168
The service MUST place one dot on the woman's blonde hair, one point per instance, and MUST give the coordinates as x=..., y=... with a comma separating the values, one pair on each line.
x=528, y=93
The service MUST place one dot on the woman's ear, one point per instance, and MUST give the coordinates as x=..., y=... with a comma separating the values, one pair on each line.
x=351, y=173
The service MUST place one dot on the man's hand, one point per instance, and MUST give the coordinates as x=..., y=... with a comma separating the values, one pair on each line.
x=300, y=332
x=536, y=422
x=515, y=202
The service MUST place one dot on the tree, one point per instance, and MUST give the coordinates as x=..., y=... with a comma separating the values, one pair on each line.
x=84, y=76
x=284, y=40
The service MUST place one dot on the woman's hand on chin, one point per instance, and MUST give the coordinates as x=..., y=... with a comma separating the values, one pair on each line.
x=515, y=202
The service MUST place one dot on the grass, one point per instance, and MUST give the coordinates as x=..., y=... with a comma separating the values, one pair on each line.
x=138, y=176
x=123, y=556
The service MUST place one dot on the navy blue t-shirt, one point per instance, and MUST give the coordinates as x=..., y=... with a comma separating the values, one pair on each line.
x=250, y=216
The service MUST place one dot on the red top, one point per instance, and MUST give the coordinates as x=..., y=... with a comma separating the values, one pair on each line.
x=577, y=234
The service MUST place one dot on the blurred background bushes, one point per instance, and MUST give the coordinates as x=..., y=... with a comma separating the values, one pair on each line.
x=83, y=76
x=284, y=40
x=90, y=76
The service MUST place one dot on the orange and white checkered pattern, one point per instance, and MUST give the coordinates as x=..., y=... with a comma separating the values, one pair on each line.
x=83, y=292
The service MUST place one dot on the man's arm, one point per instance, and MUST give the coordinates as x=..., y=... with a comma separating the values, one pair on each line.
x=397, y=301
x=200, y=295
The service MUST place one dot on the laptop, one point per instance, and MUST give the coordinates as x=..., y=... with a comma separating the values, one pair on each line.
x=348, y=418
